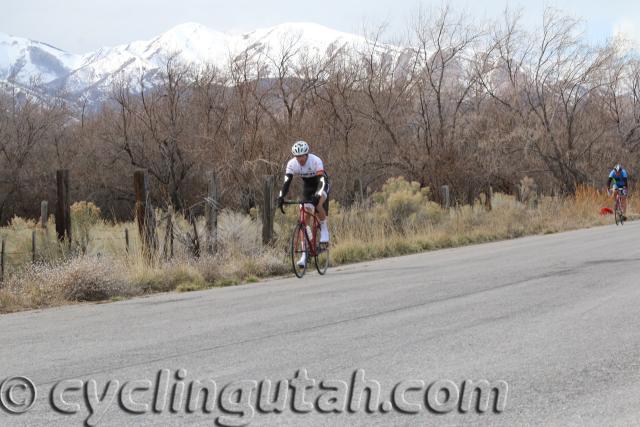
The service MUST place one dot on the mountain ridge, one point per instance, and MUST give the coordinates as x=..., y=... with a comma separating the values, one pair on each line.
x=23, y=61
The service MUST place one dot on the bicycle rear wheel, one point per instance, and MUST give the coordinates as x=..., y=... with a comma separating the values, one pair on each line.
x=298, y=248
x=322, y=255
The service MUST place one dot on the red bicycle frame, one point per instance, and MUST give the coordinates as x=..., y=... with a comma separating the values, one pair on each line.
x=316, y=225
x=618, y=202
x=617, y=209
x=302, y=243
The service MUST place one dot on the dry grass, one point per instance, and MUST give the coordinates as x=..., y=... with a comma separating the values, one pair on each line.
x=400, y=220
x=369, y=234
x=78, y=279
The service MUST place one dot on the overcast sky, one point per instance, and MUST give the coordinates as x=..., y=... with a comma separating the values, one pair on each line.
x=80, y=26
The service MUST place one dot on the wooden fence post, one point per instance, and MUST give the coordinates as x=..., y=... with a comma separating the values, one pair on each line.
x=139, y=185
x=33, y=246
x=44, y=214
x=63, y=209
x=444, y=193
x=196, y=238
x=538, y=197
x=2, y=262
x=145, y=216
x=212, y=207
x=488, y=202
x=168, y=238
x=171, y=232
x=126, y=240
x=358, y=193
x=267, y=210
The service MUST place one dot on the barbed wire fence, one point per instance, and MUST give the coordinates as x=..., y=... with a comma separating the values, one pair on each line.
x=43, y=247
x=161, y=234
x=24, y=245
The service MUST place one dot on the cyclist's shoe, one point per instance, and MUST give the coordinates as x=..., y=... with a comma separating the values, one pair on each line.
x=324, y=233
x=302, y=261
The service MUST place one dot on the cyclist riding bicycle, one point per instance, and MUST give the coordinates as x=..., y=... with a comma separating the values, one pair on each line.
x=315, y=186
x=618, y=179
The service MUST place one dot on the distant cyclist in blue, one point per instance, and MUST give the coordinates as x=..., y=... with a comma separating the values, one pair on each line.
x=619, y=179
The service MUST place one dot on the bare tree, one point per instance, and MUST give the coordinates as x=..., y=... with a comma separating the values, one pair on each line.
x=26, y=123
x=562, y=78
x=152, y=124
x=444, y=86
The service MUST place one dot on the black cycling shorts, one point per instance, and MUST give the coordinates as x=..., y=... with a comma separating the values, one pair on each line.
x=309, y=193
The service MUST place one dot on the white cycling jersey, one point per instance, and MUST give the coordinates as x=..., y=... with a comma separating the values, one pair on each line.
x=313, y=175
x=312, y=168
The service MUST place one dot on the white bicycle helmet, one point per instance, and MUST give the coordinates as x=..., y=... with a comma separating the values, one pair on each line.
x=300, y=148
x=618, y=167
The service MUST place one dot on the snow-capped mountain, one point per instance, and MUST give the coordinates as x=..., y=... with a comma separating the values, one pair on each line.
x=90, y=74
x=22, y=60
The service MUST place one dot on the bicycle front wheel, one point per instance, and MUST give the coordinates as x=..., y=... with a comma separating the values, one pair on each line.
x=322, y=255
x=299, y=249
x=618, y=213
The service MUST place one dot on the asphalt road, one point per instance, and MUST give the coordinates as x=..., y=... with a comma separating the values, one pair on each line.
x=556, y=317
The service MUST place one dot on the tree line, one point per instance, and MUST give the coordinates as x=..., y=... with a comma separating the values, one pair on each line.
x=461, y=103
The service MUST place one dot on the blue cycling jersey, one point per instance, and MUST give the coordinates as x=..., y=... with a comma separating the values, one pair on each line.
x=621, y=181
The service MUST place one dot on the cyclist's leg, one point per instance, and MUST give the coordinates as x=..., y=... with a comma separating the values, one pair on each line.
x=322, y=203
x=308, y=219
x=322, y=206
x=307, y=194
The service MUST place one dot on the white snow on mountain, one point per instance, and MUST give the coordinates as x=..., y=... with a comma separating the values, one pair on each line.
x=22, y=60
